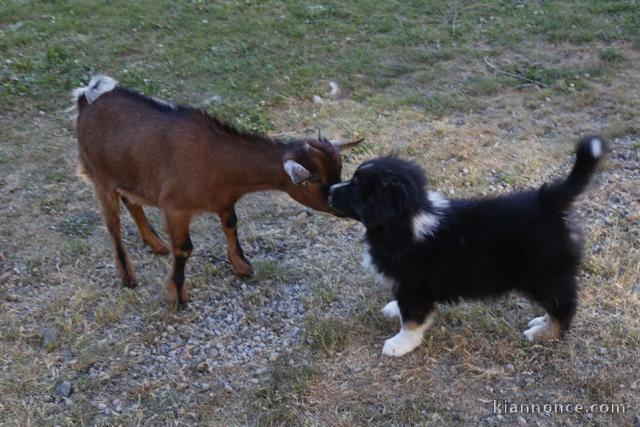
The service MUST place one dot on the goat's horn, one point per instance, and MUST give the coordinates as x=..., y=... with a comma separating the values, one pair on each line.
x=346, y=144
x=320, y=135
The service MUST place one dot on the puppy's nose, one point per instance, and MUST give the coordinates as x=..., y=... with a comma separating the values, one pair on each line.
x=331, y=190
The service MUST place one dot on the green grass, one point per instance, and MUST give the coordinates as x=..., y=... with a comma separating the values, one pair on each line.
x=279, y=402
x=268, y=270
x=278, y=50
x=328, y=335
x=611, y=54
x=80, y=224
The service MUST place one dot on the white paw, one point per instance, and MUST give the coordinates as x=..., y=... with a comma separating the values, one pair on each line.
x=533, y=332
x=539, y=320
x=391, y=310
x=402, y=343
x=544, y=331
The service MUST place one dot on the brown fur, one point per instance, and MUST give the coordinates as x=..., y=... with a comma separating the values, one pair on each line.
x=186, y=162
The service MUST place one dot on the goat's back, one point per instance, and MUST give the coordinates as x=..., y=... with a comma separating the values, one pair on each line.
x=144, y=147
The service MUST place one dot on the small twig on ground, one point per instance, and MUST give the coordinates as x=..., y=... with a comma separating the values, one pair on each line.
x=517, y=76
x=284, y=97
x=454, y=22
x=211, y=257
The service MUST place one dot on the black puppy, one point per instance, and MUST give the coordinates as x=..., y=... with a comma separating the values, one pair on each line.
x=429, y=249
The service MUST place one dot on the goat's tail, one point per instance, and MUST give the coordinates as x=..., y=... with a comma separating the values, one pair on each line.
x=561, y=194
x=86, y=95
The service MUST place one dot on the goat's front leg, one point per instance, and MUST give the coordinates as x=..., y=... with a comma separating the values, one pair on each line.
x=241, y=266
x=181, y=247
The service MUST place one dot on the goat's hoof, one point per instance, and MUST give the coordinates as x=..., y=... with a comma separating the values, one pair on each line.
x=157, y=246
x=130, y=282
x=242, y=270
x=175, y=296
x=160, y=250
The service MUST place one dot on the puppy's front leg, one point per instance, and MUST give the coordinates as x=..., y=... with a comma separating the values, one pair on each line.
x=415, y=322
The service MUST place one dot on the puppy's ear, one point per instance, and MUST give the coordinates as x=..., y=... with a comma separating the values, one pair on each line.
x=388, y=202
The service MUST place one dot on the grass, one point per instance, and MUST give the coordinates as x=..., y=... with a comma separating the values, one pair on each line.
x=279, y=50
x=413, y=79
x=280, y=401
x=328, y=335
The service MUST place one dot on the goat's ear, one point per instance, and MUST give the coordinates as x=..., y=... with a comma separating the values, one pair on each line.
x=296, y=171
x=343, y=145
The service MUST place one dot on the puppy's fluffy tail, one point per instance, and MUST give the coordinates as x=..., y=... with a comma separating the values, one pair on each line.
x=561, y=194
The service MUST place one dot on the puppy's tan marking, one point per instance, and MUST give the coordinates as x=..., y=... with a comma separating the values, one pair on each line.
x=545, y=331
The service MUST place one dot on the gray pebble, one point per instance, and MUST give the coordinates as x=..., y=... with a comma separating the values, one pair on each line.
x=64, y=389
x=225, y=386
x=49, y=337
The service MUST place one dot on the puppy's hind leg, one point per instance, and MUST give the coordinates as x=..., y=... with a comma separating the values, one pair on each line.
x=538, y=321
x=560, y=301
x=414, y=322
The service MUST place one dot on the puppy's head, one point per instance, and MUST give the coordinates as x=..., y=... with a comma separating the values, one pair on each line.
x=381, y=191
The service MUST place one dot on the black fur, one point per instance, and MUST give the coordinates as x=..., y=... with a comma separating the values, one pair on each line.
x=479, y=247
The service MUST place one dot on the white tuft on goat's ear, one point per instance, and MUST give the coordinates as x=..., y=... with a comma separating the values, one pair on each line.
x=296, y=171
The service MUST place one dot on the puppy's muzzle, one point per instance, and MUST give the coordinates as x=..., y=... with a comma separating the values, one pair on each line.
x=331, y=200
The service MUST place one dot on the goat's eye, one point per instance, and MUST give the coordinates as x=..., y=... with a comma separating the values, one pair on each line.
x=314, y=180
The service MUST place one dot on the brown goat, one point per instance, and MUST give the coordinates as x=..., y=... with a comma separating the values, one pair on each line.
x=182, y=160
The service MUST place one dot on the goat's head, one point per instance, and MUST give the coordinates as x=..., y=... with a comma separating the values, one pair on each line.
x=313, y=166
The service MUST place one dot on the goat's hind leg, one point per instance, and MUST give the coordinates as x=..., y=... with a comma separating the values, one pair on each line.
x=241, y=266
x=178, y=228
x=110, y=204
x=147, y=233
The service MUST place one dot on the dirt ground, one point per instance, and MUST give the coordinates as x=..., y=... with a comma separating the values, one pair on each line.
x=300, y=342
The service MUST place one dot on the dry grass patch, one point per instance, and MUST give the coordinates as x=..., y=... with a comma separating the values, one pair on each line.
x=300, y=342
